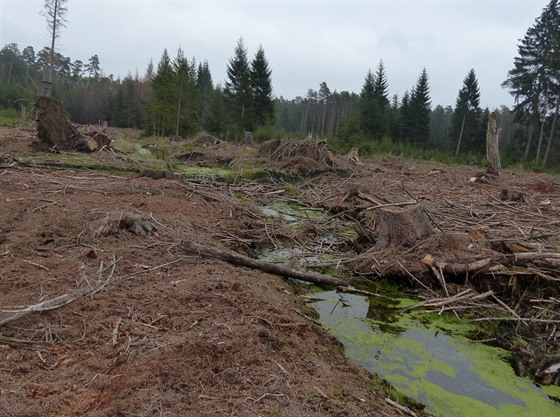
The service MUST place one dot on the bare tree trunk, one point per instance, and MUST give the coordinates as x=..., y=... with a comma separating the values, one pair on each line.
x=552, y=129
x=51, y=66
x=178, y=109
x=538, y=157
x=461, y=134
x=529, y=141
x=303, y=124
x=492, y=147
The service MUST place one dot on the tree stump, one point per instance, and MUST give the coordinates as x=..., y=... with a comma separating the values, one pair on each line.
x=132, y=222
x=54, y=130
x=402, y=226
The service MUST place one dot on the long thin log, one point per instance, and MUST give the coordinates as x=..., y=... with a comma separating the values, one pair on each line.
x=237, y=259
x=456, y=269
x=460, y=269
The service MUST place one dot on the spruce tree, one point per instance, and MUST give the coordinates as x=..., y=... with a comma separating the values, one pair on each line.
x=374, y=104
x=534, y=80
x=404, y=117
x=261, y=86
x=185, y=95
x=205, y=88
x=367, y=106
x=467, y=117
x=161, y=102
x=238, y=90
x=381, y=87
x=419, y=112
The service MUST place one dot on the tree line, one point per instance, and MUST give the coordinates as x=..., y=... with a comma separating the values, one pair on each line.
x=179, y=97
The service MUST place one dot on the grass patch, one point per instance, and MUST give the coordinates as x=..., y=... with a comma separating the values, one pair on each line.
x=10, y=117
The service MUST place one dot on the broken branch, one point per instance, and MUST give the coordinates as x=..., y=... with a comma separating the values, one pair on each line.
x=237, y=259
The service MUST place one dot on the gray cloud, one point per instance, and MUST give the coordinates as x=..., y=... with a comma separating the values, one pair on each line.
x=306, y=42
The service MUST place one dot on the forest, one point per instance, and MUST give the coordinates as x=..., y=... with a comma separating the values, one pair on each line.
x=177, y=96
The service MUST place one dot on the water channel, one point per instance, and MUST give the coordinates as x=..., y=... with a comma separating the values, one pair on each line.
x=424, y=356
x=431, y=361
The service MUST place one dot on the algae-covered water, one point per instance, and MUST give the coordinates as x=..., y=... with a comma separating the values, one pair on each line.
x=432, y=362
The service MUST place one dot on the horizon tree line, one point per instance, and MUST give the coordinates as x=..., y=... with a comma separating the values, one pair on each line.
x=179, y=97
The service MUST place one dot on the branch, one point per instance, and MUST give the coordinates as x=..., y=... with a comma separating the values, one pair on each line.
x=237, y=259
x=59, y=301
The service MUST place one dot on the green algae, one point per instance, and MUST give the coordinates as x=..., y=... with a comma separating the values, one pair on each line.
x=431, y=360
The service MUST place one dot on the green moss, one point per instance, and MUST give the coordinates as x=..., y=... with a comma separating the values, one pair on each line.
x=431, y=360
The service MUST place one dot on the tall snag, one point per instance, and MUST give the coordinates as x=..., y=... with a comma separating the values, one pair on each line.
x=492, y=148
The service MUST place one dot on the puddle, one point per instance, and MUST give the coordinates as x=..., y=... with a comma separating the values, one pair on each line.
x=432, y=363
x=273, y=212
x=291, y=213
x=314, y=257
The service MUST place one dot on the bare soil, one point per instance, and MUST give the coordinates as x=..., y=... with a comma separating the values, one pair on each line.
x=168, y=334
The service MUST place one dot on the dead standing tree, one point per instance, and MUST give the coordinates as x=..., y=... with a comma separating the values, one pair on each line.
x=492, y=148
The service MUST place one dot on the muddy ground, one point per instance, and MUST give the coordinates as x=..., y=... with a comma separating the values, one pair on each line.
x=151, y=331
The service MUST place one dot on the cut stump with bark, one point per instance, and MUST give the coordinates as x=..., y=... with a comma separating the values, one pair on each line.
x=131, y=222
x=402, y=226
x=55, y=132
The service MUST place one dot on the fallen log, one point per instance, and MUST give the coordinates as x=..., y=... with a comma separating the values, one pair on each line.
x=237, y=259
x=503, y=260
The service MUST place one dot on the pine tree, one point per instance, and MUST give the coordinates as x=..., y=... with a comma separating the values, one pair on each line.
x=467, y=117
x=93, y=68
x=54, y=12
x=261, y=86
x=323, y=97
x=238, y=90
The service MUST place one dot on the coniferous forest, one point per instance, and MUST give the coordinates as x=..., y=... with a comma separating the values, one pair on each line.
x=177, y=95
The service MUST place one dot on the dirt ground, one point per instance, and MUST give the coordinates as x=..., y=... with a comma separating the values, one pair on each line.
x=151, y=331
x=168, y=334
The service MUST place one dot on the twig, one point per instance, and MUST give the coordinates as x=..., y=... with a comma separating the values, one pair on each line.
x=59, y=301
x=36, y=264
x=363, y=292
x=504, y=305
x=521, y=319
x=402, y=408
x=416, y=279
x=116, y=331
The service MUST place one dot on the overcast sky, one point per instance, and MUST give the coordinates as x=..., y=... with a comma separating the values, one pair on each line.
x=305, y=42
